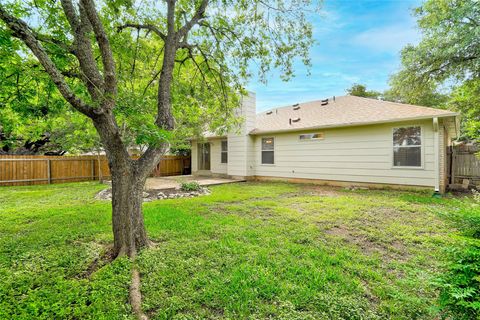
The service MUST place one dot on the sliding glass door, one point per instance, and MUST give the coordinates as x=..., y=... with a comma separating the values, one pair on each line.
x=204, y=156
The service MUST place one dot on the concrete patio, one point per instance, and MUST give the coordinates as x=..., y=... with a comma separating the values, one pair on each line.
x=172, y=182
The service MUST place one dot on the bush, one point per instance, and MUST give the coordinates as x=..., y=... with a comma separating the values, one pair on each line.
x=190, y=186
x=460, y=284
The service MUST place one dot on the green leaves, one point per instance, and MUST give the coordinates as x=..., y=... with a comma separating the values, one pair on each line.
x=229, y=44
x=447, y=57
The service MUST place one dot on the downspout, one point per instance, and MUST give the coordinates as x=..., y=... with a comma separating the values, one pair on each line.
x=436, y=146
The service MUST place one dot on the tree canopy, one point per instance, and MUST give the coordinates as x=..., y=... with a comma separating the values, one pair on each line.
x=448, y=55
x=360, y=90
x=211, y=68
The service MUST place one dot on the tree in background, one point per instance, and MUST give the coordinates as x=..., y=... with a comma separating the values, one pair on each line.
x=360, y=90
x=448, y=54
x=146, y=72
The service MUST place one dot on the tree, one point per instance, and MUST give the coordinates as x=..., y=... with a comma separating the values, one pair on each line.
x=360, y=90
x=82, y=46
x=466, y=98
x=450, y=46
x=448, y=54
x=418, y=93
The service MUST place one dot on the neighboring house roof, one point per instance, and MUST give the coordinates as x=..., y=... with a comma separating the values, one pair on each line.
x=339, y=112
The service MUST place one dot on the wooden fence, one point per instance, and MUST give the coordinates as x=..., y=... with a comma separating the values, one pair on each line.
x=27, y=170
x=464, y=163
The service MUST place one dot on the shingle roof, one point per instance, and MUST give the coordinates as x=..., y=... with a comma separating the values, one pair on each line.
x=343, y=111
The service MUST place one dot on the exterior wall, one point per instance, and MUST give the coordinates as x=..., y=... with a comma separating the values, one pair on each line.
x=240, y=144
x=353, y=154
x=216, y=165
x=241, y=153
x=194, y=154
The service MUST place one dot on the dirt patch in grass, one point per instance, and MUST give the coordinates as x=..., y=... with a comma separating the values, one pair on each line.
x=103, y=259
x=323, y=191
x=395, y=250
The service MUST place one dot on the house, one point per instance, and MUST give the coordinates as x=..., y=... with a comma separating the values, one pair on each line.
x=338, y=141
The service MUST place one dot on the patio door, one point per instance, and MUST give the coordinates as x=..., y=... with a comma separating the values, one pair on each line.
x=204, y=156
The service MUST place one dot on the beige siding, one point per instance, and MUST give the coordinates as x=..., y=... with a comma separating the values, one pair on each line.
x=194, y=155
x=216, y=165
x=241, y=150
x=356, y=154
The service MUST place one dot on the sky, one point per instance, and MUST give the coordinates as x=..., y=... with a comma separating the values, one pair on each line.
x=357, y=41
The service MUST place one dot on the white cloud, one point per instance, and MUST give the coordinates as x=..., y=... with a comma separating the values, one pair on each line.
x=389, y=39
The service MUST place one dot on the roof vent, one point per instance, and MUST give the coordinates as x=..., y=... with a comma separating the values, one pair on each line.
x=269, y=112
x=324, y=102
x=293, y=120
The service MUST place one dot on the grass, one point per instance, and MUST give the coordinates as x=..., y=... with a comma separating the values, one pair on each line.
x=249, y=250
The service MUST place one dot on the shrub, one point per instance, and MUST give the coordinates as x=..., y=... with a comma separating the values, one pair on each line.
x=460, y=284
x=190, y=186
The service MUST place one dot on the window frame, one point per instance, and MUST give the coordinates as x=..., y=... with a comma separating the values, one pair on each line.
x=422, y=148
x=261, y=151
x=223, y=151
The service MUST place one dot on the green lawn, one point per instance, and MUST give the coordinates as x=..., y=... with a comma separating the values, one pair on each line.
x=249, y=250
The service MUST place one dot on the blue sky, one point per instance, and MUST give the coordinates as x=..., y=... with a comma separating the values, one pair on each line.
x=357, y=42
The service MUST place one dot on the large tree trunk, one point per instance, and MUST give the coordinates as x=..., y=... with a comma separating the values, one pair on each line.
x=129, y=232
x=128, y=182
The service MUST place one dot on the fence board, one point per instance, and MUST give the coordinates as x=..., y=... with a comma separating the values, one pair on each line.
x=17, y=170
x=464, y=164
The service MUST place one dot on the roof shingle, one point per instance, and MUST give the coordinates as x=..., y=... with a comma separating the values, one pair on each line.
x=343, y=111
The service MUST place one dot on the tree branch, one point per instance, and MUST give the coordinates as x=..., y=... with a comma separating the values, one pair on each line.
x=149, y=27
x=199, y=15
x=83, y=49
x=110, y=81
x=23, y=32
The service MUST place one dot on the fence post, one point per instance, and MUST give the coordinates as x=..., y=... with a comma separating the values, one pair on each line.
x=453, y=164
x=92, y=163
x=49, y=172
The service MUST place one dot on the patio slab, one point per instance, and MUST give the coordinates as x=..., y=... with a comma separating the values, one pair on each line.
x=159, y=183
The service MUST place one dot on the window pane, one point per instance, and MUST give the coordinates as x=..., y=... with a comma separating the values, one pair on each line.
x=409, y=136
x=310, y=136
x=267, y=144
x=267, y=157
x=407, y=157
x=224, y=157
x=224, y=145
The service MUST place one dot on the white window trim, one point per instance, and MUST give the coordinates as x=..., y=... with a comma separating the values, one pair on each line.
x=422, y=148
x=221, y=151
x=274, y=151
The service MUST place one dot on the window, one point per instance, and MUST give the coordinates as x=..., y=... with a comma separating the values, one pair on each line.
x=224, y=152
x=407, y=147
x=311, y=136
x=267, y=151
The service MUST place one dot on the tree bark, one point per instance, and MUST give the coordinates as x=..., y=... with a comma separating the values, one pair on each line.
x=129, y=232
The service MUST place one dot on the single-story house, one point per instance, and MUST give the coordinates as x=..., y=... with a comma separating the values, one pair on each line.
x=342, y=141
